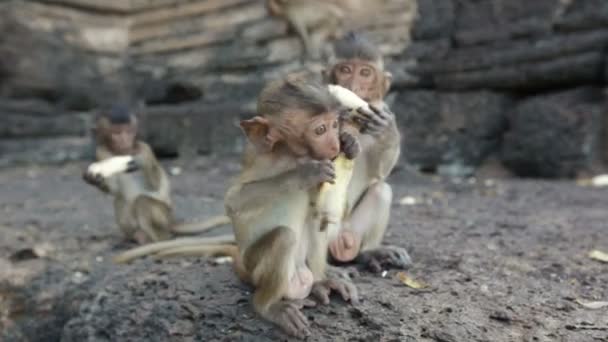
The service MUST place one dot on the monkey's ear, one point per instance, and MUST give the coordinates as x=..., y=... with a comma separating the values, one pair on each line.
x=258, y=132
x=388, y=79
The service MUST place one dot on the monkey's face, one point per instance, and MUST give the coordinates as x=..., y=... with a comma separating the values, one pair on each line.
x=122, y=138
x=322, y=136
x=360, y=77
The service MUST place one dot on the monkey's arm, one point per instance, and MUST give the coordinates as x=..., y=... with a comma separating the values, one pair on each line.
x=154, y=173
x=389, y=149
x=383, y=152
x=263, y=190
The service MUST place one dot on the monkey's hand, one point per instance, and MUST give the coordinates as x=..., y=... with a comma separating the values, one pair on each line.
x=314, y=172
x=344, y=286
x=287, y=315
x=384, y=256
x=349, y=145
x=374, y=121
x=96, y=180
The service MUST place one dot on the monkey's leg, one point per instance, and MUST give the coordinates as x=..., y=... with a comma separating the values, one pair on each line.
x=321, y=35
x=299, y=26
x=368, y=223
x=153, y=218
x=271, y=263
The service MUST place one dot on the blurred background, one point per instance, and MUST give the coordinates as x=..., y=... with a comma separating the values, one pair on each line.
x=501, y=86
x=482, y=89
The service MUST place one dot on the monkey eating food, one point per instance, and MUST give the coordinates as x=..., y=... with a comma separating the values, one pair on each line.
x=359, y=67
x=127, y=169
x=272, y=202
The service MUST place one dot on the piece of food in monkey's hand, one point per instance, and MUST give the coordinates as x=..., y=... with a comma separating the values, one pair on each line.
x=331, y=201
x=111, y=166
x=411, y=282
x=348, y=98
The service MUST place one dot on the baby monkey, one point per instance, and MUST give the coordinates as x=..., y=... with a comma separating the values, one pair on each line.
x=127, y=169
x=272, y=204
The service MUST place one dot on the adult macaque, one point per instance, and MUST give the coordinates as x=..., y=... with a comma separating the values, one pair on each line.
x=127, y=169
x=315, y=21
x=359, y=67
x=282, y=245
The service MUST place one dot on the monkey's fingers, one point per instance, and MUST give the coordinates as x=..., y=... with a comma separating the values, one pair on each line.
x=376, y=120
x=350, y=146
x=372, y=129
x=307, y=303
x=374, y=265
x=340, y=287
x=399, y=257
x=294, y=321
x=365, y=111
x=321, y=292
x=353, y=272
x=347, y=290
x=328, y=172
x=132, y=166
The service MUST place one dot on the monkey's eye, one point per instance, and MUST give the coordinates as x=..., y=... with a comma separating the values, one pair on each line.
x=365, y=72
x=320, y=130
x=335, y=124
x=345, y=69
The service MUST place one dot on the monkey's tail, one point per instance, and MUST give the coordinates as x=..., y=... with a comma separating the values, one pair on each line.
x=275, y=7
x=200, y=227
x=157, y=247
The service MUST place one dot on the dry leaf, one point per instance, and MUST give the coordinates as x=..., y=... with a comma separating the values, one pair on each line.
x=598, y=255
x=411, y=282
x=592, y=305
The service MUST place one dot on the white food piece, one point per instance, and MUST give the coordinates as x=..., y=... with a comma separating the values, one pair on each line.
x=110, y=166
x=600, y=181
x=347, y=97
x=593, y=305
x=408, y=200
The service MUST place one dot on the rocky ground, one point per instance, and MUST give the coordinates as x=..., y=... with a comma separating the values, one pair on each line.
x=505, y=260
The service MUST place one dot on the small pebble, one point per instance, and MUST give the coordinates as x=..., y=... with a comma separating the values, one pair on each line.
x=175, y=171
x=408, y=200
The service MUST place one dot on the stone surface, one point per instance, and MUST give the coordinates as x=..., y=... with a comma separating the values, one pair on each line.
x=454, y=132
x=555, y=135
x=504, y=259
x=213, y=57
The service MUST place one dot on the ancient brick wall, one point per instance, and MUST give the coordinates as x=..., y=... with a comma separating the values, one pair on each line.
x=473, y=79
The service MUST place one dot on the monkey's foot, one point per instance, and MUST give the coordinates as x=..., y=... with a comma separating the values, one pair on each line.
x=385, y=256
x=141, y=237
x=342, y=272
x=300, y=284
x=345, y=287
x=345, y=247
x=287, y=315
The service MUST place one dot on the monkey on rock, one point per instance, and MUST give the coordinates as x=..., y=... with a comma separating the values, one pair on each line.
x=359, y=67
x=282, y=243
x=127, y=169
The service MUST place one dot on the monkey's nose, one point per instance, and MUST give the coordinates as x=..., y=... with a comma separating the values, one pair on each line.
x=335, y=150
